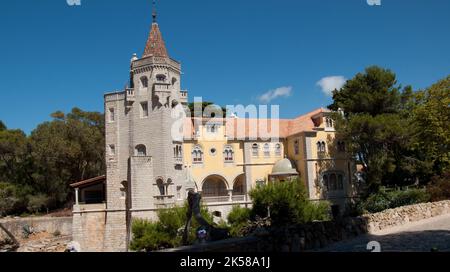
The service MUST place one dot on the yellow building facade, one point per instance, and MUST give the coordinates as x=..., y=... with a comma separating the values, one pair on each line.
x=226, y=160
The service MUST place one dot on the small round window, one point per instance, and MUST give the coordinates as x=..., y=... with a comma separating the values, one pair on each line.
x=213, y=151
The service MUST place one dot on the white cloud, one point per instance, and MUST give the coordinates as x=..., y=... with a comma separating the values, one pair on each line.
x=329, y=84
x=273, y=94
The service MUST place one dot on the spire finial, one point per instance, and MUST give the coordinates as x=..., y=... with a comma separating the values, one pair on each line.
x=154, y=11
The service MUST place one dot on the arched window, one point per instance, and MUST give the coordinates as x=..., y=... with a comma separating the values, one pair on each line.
x=177, y=152
x=141, y=150
x=266, y=150
x=144, y=82
x=297, y=147
x=278, y=149
x=255, y=150
x=321, y=147
x=174, y=81
x=228, y=154
x=329, y=122
x=161, y=78
x=161, y=188
x=197, y=154
x=239, y=186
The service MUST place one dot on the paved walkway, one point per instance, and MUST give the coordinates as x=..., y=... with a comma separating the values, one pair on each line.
x=422, y=236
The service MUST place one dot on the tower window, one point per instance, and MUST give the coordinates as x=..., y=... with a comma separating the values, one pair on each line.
x=255, y=150
x=161, y=78
x=141, y=150
x=161, y=187
x=112, y=115
x=144, y=82
x=144, y=107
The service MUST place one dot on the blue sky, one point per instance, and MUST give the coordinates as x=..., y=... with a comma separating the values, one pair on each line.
x=54, y=56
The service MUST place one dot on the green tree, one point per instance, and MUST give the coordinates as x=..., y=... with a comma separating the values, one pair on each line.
x=2, y=126
x=8, y=198
x=14, y=157
x=375, y=126
x=237, y=219
x=69, y=148
x=431, y=128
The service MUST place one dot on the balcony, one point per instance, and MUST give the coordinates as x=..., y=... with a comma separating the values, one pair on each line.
x=216, y=199
x=238, y=198
x=178, y=160
x=162, y=87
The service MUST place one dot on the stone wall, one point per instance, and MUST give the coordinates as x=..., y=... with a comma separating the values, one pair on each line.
x=316, y=235
x=403, y=215
x=15, y=226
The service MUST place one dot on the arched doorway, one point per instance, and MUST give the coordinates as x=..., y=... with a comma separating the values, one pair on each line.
x=215, y=189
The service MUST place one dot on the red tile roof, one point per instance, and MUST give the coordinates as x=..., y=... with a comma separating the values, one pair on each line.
x=240, y=128
x=155, y=44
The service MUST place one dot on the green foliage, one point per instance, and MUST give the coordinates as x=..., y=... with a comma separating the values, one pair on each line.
x=384, y=200
x=439, y=187
x=373, y=92
x=287, y=203
x=398, y=136
x=37, y=203
x=237, y=219
x=8, y=198
x=431, y=126
x=2, y=126
x=167, y=231
x=41, y=166
x=208, y=106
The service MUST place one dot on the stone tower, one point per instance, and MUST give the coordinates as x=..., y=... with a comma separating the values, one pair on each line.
x=144, y=162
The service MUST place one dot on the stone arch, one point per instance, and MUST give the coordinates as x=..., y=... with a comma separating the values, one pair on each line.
x=239, y=185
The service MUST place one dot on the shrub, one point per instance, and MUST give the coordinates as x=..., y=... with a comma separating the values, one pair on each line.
x=384, y=200
x=439, y=187
x=287, y=202
x=237, y=219
x=37, y=202
x=166, y=232
x=56, y=233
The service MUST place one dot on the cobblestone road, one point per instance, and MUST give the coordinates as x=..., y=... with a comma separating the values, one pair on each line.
x=421, y=236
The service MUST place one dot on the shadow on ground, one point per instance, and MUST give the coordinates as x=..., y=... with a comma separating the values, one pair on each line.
x=414, y=241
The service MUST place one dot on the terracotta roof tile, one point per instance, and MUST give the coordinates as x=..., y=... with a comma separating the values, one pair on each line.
x=155, y=44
